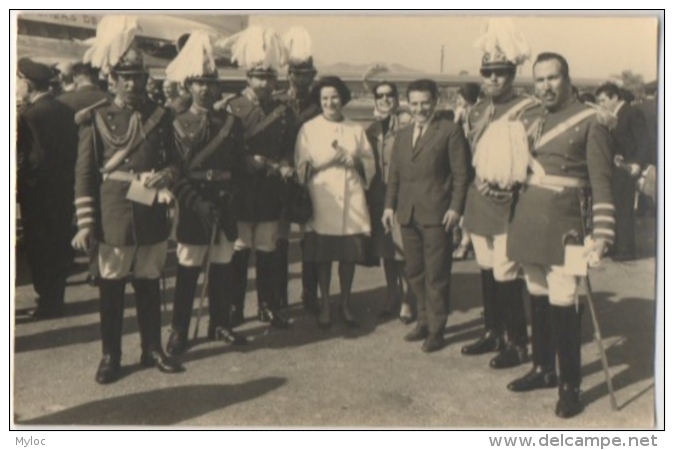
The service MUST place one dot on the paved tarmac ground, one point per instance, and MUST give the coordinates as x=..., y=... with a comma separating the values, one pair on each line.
x=305, y=377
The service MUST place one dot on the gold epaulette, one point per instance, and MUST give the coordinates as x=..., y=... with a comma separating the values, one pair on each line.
x=86, y=115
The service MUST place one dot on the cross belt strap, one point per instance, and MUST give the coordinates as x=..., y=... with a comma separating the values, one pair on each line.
x=212, y=146
x=261, y=126
x=564, y=126
x=120, y=155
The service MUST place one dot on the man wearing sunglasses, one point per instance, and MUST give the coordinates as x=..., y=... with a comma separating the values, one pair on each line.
x=490, y=196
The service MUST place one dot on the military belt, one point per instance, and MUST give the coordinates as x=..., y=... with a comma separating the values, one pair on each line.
x=210, y=175
x=555, y=182
x=118, y=175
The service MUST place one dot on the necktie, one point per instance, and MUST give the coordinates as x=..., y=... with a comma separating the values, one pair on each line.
x=420, y=130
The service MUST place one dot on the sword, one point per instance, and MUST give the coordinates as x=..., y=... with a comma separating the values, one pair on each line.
x=207, y=269
x=593, y=313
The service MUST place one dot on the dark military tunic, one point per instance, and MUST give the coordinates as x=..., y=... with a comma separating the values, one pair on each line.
x=489, y=216
x=194, y=130
x=102, y=203
x=268, y=134
x=544, y=217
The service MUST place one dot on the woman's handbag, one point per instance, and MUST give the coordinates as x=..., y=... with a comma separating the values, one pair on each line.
x=299, y=208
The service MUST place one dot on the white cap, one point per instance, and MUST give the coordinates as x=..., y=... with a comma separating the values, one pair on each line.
x=195, y=60
x=110, y=48
x=501, y=44
x=256, y=49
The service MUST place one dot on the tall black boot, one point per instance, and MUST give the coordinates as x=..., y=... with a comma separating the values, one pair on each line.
x=567, y=336
x=492, y=340
x=112, y=320
x=281, y=272
x=219, y=305
x=309, y=285
x=267, y=303
x=510, y=294
x=183, y=302
x=238, y=285
x=148, y=304
x=542, y=375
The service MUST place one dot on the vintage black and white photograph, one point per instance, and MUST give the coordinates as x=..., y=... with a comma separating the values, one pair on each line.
x=431, y=220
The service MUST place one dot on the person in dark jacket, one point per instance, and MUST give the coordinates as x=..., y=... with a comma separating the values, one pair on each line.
x=126, y=162
x=46, y=152
x=211, y=147
x=631, y=147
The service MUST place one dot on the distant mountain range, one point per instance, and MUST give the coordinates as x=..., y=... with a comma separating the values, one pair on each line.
x=359, y=69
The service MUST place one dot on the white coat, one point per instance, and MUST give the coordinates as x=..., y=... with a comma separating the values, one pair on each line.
x=337, y=192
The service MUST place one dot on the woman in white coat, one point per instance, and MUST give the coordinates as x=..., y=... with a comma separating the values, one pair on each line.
x=336, y=162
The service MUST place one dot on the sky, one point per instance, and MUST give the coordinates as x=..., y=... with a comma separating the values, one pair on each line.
x=596, y=47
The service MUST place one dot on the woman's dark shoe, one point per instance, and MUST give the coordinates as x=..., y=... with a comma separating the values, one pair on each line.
x=349, y=320
x=323, y=318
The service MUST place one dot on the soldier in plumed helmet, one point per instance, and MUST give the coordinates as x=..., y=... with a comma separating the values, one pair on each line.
x=211, y=147
x=500, y=155
x=126, y=161
x=301, y=76
x=268, y=125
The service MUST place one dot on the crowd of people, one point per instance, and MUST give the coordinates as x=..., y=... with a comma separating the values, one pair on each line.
x=520, y=176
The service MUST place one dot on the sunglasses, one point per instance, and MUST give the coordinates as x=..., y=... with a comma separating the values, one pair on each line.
x=380, y=95
x=487, y=73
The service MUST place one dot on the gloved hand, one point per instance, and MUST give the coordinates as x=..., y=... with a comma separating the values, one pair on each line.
x=206, y=212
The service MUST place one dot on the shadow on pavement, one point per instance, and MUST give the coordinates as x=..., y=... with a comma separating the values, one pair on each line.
x=630, y=323
x=152, y=408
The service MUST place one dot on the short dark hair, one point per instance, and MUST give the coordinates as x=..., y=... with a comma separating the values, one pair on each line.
x=393, y=87
x=87, y=70
x=424, y=85
x=470, y=92
x=609, y=89
x=587, y=97
x=333, y=82
x=551, y=56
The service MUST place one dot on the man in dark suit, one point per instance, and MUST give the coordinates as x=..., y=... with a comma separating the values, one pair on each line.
x=46, y=152
x=631, y=146
x=426, y=191
x=85, y=95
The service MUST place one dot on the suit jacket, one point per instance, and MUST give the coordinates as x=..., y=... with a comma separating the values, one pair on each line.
x=427, y=180
x=630, y=135
x=46, y=147
x=82, y=98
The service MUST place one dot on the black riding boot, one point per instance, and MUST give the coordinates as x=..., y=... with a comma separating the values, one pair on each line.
x=515, y=352
x=148, y=306
x=183, y=302
x=219, y=305
x=238, y=285
x=267, y=303
x=492, y=341
x=309, y=285
x=567, y=333
x=112, y=320
x=542, y=375
x=281, y=272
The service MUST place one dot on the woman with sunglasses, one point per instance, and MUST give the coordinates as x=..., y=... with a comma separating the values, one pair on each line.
x=334, y=159
x=387, y=246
